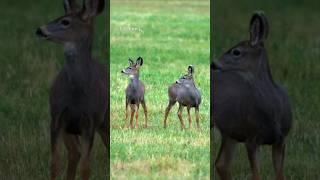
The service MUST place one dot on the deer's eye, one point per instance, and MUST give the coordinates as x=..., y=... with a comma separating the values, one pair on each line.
x=236, y=52
x=65, y=22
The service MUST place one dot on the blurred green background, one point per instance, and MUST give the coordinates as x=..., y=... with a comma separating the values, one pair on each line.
x=294, y=56
x=169, y=35
x=28, y=66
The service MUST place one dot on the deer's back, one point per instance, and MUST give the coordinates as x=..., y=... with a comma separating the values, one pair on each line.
x=185, y=94
x=250, y=110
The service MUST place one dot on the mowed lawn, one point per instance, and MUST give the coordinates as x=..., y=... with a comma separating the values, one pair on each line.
x=294, y=53
x=169, y=35
x=28, y=66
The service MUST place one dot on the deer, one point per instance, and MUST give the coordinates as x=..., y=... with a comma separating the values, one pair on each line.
x=187, y=94
x=78, y=96
x=135, y=93
x=249, y=107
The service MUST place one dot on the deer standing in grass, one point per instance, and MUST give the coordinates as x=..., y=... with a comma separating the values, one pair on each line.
x=135, y=93
x=186, y=93
x=249, y=107
x=78, y=97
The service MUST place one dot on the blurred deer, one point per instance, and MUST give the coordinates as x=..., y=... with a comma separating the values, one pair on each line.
x=78, y=96
x=186, y=93
x=135, y=92
x=249, y=107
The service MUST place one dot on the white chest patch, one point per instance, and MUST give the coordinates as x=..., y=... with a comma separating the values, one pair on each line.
x=69, y=47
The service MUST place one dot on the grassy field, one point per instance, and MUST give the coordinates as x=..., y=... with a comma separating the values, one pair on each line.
x=28, y=66
x=294, y=53
x=169, y=35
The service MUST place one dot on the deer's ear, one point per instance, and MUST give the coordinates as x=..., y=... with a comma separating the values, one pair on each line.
x=139, y=61
x=70, y=6
x=130, y=62
x=190, y=69
x=259, y=28
x=91, y=8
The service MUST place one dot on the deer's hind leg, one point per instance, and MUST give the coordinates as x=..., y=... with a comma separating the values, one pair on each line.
x=180, y=116
x=73, y=146
x=171, y=103
x=197, y=117
x=144, y=106
x=278, y=154
x=224, y=158
x=189, y=117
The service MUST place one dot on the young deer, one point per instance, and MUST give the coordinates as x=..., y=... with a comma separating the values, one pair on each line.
x=78, y=97
x=186, y=93
x=249, y=107
x=135, y=92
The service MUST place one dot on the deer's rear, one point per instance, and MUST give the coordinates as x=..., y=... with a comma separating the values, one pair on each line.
x=187, y=95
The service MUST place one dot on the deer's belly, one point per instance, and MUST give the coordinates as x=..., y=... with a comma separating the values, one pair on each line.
x=192, y=101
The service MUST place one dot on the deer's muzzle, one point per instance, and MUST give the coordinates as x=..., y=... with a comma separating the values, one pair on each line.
x=40, y=32
x=215, y=65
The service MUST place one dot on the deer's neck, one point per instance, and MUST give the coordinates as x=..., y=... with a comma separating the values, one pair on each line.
x=77, y=53
x=134, y=80
x=78, y=62
x=263, y=70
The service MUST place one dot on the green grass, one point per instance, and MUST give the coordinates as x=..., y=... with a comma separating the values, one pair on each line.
x=28, y=66
x=169, y=35
x=293, y=47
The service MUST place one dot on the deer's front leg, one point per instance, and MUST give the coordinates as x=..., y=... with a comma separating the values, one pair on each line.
x=253, y=151
x=133, y=110
x=278, y=153
x=73, y=146
x=127, y=112
x=224, y=158
x=56, y=134
x=86, y=146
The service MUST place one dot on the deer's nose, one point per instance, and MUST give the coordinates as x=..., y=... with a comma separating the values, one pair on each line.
x=40, y=33
x=216, y=65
